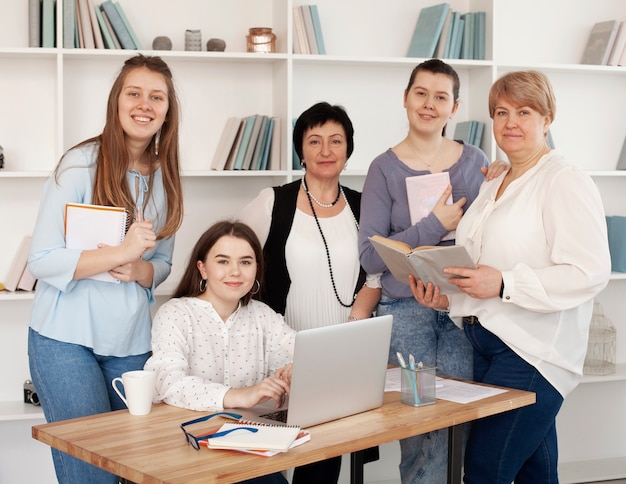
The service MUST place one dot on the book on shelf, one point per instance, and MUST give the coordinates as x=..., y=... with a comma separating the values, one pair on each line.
x=265, y=156
x=232, y=156
x=48, y=22
x=428, y=30
x=616, y=232
x=275, y=147
x=87, y=226
x=618, y=45
x=252, y=141
x=467, y=46
x=426, y=263
x=107, y=32
x=317, y=27
x=456, y=39
x=122, y=34
x=27, y=281
x=18, y=265
x=444, y=38
x=225, y=144
x=259, y=147
x=245, y=140
x=302, y=42
x=84, y=20
x=308, y=28
x=621, y=161
x=265, y=437
x=128, y=26
x=34, y=23
x=480, y=20
x=109, y=27
x=599, y=43
x=95, y=25
x=423, y=192
x=470, y=132
x=69, y=24
x=550, y=140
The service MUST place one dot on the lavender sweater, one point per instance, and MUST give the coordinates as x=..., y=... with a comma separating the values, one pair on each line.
x=385, y=210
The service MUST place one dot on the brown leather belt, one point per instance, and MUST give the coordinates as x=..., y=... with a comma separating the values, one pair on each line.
x=470, y=320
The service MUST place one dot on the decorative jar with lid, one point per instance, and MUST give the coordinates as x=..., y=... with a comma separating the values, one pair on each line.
x=600, y=358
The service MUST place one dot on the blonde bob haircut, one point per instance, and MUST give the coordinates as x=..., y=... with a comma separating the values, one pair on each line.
x=524, y=88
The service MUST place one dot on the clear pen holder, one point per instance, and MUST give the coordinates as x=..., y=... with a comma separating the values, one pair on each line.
x=418, y=386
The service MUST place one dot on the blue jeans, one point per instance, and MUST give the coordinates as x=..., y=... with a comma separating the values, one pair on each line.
x=72, y=381
x=434, y=339
x=519, y=445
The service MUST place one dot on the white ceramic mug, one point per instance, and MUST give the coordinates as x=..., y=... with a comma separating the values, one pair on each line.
x=139, y=388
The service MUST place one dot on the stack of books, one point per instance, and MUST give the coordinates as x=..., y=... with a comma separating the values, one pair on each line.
x=606, y=45
x=307, y=30
x=470, y=132
x=249, y=143
x=447, y=34
x=85, y=25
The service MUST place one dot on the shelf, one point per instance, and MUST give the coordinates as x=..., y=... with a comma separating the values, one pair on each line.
x=618, y=276
x=619, y=375
x=10, y=411
x=606, y=173
x=16, y=296
x=593, y=470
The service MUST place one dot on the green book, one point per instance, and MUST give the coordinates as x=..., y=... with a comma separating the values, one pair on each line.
x=427, y=31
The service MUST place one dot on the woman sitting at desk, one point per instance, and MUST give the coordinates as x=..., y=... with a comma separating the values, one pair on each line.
x=213, y=345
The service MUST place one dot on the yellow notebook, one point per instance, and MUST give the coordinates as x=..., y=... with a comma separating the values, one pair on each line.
x=267, y=437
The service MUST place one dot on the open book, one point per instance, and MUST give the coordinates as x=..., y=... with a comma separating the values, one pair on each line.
x=426, y=263
x=278, y=438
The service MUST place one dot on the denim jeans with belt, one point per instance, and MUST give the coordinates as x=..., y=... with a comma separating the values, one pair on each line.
x=72, y=381
x=434, y=339
x=519, y=445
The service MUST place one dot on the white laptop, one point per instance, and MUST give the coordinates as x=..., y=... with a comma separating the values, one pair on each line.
x=337, y=371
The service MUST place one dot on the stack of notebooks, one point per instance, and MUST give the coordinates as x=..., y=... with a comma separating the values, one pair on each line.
x=447, y=34
x=249, y=143
x=470, y=132
x=307, y=30
x=267, y=440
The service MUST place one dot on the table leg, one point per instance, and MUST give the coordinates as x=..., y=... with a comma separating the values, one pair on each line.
x=356, y=467
x=455, y=441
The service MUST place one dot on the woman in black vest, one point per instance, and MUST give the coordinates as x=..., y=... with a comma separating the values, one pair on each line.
x=309, y=230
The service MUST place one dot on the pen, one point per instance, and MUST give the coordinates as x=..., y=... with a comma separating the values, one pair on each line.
x=407, y=375
x=416, y=386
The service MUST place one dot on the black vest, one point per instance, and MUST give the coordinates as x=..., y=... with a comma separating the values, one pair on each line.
x=277, y=280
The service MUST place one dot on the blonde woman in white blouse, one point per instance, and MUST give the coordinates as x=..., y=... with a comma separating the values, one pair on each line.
x=214, y=346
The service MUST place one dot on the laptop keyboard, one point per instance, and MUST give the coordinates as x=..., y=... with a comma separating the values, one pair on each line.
x=279, y=416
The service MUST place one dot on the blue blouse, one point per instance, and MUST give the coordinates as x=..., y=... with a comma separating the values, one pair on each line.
x=112, y=319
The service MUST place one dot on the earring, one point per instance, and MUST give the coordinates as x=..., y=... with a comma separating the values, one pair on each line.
x=258, y=288
x=303, y=164
x=202, y=285
x=157, y=140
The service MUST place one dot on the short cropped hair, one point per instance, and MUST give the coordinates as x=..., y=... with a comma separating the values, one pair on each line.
x=524, y=88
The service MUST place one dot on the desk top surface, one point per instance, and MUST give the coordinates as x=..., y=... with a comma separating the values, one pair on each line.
x=152, y=448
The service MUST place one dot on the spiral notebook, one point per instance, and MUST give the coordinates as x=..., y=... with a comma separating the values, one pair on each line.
x=266, y=437
x=86, y=226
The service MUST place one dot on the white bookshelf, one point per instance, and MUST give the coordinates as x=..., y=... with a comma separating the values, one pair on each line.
x=53, y=98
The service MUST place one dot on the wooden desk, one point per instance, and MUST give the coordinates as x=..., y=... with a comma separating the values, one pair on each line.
x=152, y=448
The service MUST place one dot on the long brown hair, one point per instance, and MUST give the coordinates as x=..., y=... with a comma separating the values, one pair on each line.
x=189, y=285
x=110, y=186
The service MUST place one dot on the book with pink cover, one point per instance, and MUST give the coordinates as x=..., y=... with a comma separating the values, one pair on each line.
x=423, y=192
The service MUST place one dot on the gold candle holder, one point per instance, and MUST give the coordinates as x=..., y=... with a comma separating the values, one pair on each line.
x=261, y=39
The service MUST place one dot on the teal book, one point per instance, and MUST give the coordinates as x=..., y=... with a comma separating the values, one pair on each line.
x=478, y=135
x=479, y=44
x=268, y=144
x=467, y=49
x=123, y=36
x=445, y=35
x=463, y=131
x=48, y=22
x=458, y=39
x=106, y=35
x=317, y=26
x=245, y=140
x=259, y=147
x=472, y=133
x=128, y=26
x=254, y=137
x=453, y=31
x=428, y=30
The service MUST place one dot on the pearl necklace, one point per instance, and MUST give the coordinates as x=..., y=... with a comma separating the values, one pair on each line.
x=312, y=197
x=319, y=227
